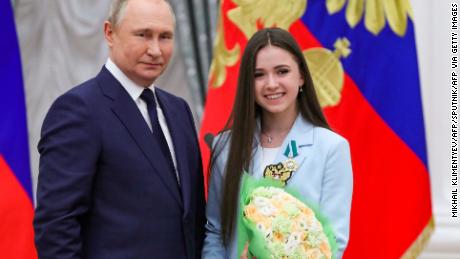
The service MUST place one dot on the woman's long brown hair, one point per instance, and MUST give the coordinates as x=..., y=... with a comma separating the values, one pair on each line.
x=242, y=121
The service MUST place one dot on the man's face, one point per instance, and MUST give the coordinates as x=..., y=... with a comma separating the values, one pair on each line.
x=142, y=42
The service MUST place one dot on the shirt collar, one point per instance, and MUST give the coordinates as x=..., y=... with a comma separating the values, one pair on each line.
x=132, y=88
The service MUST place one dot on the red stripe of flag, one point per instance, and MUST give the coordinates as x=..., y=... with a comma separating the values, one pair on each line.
x=390, y=181
x=391, y=189
x=16, y=213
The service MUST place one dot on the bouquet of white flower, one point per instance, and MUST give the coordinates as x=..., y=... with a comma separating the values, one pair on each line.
x=278, y=225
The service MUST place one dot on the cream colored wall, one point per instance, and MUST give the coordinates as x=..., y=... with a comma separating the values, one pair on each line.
x=432, y=19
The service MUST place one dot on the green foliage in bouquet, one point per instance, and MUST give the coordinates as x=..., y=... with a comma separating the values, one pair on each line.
x=286, y=228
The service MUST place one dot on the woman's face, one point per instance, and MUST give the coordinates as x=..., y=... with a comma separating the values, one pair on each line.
x=277, y=81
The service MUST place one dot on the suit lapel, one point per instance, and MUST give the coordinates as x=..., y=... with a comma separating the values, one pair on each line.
x=126, y=110
x=173, y=116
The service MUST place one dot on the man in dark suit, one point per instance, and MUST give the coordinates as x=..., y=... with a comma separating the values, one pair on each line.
x=120, y=169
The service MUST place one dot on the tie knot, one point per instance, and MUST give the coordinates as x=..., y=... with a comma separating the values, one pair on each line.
x=148, y=97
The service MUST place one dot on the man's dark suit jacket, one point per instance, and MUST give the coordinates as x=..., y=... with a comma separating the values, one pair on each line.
x=105, y=189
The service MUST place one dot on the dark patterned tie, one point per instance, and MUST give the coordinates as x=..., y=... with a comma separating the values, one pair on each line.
x=149, y=98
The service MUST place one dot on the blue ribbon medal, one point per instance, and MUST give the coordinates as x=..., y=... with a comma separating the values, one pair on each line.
x=290, y=164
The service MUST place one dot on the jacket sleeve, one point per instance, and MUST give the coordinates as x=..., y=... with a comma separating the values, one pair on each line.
x=69, y=149
x=213, y=246
x=200, y=203
x=337, y=192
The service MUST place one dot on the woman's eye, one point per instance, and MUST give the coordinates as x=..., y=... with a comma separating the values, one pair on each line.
x=283, y=71
x=258, y=74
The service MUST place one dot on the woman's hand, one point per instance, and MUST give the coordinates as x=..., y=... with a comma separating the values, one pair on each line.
x=244, y=254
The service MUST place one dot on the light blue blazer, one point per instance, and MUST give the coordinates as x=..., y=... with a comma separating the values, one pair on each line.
x=324, y=178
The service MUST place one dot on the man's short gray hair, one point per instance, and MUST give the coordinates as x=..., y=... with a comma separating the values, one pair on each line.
x=117, y=10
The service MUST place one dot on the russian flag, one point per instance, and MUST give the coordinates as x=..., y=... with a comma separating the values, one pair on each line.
x=362, y=57
x=16, y=199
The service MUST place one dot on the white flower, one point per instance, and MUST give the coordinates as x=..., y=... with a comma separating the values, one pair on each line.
x=264, y=206
x=290, y=227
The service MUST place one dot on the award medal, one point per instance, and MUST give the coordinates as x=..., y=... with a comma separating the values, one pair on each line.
x=283, y=171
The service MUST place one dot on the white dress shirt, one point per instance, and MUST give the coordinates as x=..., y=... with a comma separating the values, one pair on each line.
x=268, y=156
x=135, y=92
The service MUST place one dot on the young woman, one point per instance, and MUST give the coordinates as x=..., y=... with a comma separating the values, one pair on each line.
x=276, y=118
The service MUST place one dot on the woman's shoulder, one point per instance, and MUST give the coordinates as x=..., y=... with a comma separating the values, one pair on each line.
x=221, y=139
x=314, y=134
x=221, y=145
x=328, y=137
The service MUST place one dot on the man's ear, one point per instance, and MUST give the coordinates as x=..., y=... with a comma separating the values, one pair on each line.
x=108, y=33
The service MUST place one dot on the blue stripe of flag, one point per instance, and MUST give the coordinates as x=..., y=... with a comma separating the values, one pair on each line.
x=14, y=145
x=384, y=67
